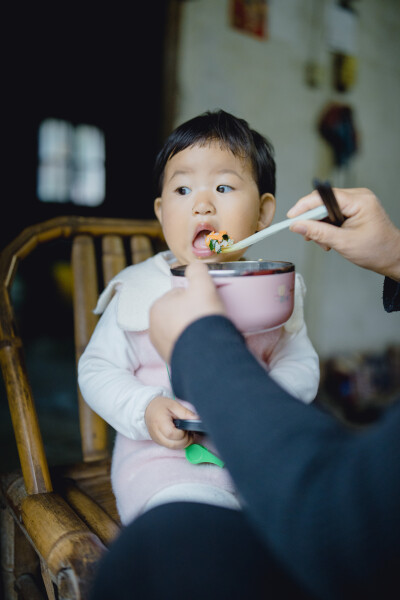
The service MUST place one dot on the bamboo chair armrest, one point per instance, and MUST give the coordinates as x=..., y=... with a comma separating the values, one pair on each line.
x=68, y=547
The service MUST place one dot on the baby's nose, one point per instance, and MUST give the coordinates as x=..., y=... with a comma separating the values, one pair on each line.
x=203, y=205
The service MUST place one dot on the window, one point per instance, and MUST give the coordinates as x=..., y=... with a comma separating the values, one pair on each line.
x=71, y=163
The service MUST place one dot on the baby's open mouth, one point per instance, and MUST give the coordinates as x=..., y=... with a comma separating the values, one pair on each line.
x=199, y=240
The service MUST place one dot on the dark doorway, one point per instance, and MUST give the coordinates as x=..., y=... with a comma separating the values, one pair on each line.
x=99, y=66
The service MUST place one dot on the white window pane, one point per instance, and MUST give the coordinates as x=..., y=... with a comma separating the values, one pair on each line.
x=71, y=163
x=55, y=138
x=53, y=183
x=89, y=145
x=88, y=188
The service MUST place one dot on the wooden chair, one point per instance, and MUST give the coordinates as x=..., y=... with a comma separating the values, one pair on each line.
x=58, y=521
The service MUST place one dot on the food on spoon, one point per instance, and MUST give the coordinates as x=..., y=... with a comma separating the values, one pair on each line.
x=216, y=240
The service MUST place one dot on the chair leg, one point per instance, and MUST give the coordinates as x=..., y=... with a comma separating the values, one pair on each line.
x=47, y=581
x=17, y=555
x=28, y=589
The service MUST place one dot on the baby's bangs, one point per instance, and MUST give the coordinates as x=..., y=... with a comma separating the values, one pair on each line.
x=241, y=148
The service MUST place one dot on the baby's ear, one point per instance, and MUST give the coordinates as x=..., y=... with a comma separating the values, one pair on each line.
x=267, y=211
x=157, y=209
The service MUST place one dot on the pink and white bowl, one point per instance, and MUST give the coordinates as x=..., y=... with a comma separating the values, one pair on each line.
x=258, y=294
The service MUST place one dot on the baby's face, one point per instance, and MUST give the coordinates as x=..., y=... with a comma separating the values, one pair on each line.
x=207, y=188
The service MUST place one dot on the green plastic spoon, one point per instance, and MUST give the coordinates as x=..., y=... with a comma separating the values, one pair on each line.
x=196, y=453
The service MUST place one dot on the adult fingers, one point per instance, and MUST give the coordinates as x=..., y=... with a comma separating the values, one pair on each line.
x=202, y=290
x=327, y=236
x=349, y=200
x=305, y=203
x=198, y=277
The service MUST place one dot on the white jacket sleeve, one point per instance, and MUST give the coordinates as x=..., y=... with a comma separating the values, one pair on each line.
x=294, y=364
x=107, y=381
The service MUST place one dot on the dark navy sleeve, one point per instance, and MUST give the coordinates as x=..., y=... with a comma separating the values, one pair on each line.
x=324, y=499
x=391, y=295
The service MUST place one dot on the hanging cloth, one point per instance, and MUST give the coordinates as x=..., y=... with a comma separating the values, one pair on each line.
x=336, y=126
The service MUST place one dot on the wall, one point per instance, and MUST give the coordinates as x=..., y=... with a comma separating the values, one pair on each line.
x=263, y=81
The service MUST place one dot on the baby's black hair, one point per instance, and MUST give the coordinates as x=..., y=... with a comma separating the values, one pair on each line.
x=233, y=133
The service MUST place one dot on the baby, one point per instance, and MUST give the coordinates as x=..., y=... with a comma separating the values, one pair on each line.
x=214, y=173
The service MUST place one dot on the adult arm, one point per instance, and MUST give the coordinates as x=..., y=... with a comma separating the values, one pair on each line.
x=324, y=499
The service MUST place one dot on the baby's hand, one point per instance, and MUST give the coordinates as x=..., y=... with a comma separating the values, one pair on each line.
x=159, y=417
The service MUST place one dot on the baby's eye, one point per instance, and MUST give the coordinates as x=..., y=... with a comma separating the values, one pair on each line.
x=183, y=190
x=223, y=189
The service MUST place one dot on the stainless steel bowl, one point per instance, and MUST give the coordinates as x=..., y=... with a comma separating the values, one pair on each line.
x=242, y=268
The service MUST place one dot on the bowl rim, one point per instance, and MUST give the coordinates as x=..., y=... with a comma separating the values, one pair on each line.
x=242, y=268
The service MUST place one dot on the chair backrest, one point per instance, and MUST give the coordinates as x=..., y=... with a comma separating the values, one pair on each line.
x=119, y=242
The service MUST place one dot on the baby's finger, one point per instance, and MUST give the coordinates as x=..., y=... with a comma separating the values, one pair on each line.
x=177, y=439
x=172, y=433
x=179, y=411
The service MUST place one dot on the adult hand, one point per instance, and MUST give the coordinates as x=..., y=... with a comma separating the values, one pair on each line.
x=174, y=311
x=367, y=238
